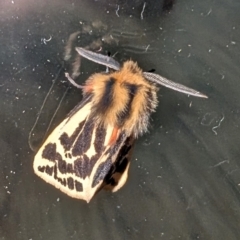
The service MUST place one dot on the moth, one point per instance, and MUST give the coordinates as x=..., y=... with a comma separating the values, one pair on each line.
x=91, y=148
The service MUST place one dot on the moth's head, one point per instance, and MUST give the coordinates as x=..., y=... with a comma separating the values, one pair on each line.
x=124, y=99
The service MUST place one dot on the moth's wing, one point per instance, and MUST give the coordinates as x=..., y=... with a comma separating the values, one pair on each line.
x=54, y=161
x=118, y=173
x=76, y=157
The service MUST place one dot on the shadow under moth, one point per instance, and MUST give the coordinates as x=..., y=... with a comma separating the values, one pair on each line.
x=91, y=148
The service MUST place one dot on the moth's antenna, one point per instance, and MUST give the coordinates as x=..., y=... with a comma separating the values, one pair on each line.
x=170, y=84
x=111, y=63
x=99, y=58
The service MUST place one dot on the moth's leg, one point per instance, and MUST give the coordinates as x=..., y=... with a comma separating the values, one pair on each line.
x=72, y=81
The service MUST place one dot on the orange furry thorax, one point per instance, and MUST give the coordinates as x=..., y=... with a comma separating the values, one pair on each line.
x=123, y=99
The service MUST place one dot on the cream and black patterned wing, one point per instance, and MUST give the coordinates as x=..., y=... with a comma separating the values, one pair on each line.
x=55, y=162
x=76, y=157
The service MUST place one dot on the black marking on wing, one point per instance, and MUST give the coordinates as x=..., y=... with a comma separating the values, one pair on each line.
x=126, y=113
x=49, y=170
x=60, y=180
x=119, y=166
x=100, y=136
x=41, y=169
x=105, y=167
x=122, y=161
x=79, y=186
x=83, y=141
x=67, y=141
x=80, y=140
x=70, y=183
x=115, y=148
x=102, y=171
x=68, y=155
x=61, y=165
x=70, y=168
x=83, y=165
x=50, y=152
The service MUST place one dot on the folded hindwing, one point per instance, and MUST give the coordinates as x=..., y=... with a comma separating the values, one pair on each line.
x=118, y=174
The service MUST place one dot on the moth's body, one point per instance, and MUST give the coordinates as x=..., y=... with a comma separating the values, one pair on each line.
x=91, y=148
x=123, y=99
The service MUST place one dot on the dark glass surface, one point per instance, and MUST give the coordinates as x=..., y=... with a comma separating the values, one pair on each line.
x=184, y=176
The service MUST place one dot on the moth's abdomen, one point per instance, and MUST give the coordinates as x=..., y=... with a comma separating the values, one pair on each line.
x=123, y=99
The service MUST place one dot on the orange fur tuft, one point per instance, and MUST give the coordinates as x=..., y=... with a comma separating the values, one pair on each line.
x=114, y=136
x=123, y=99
